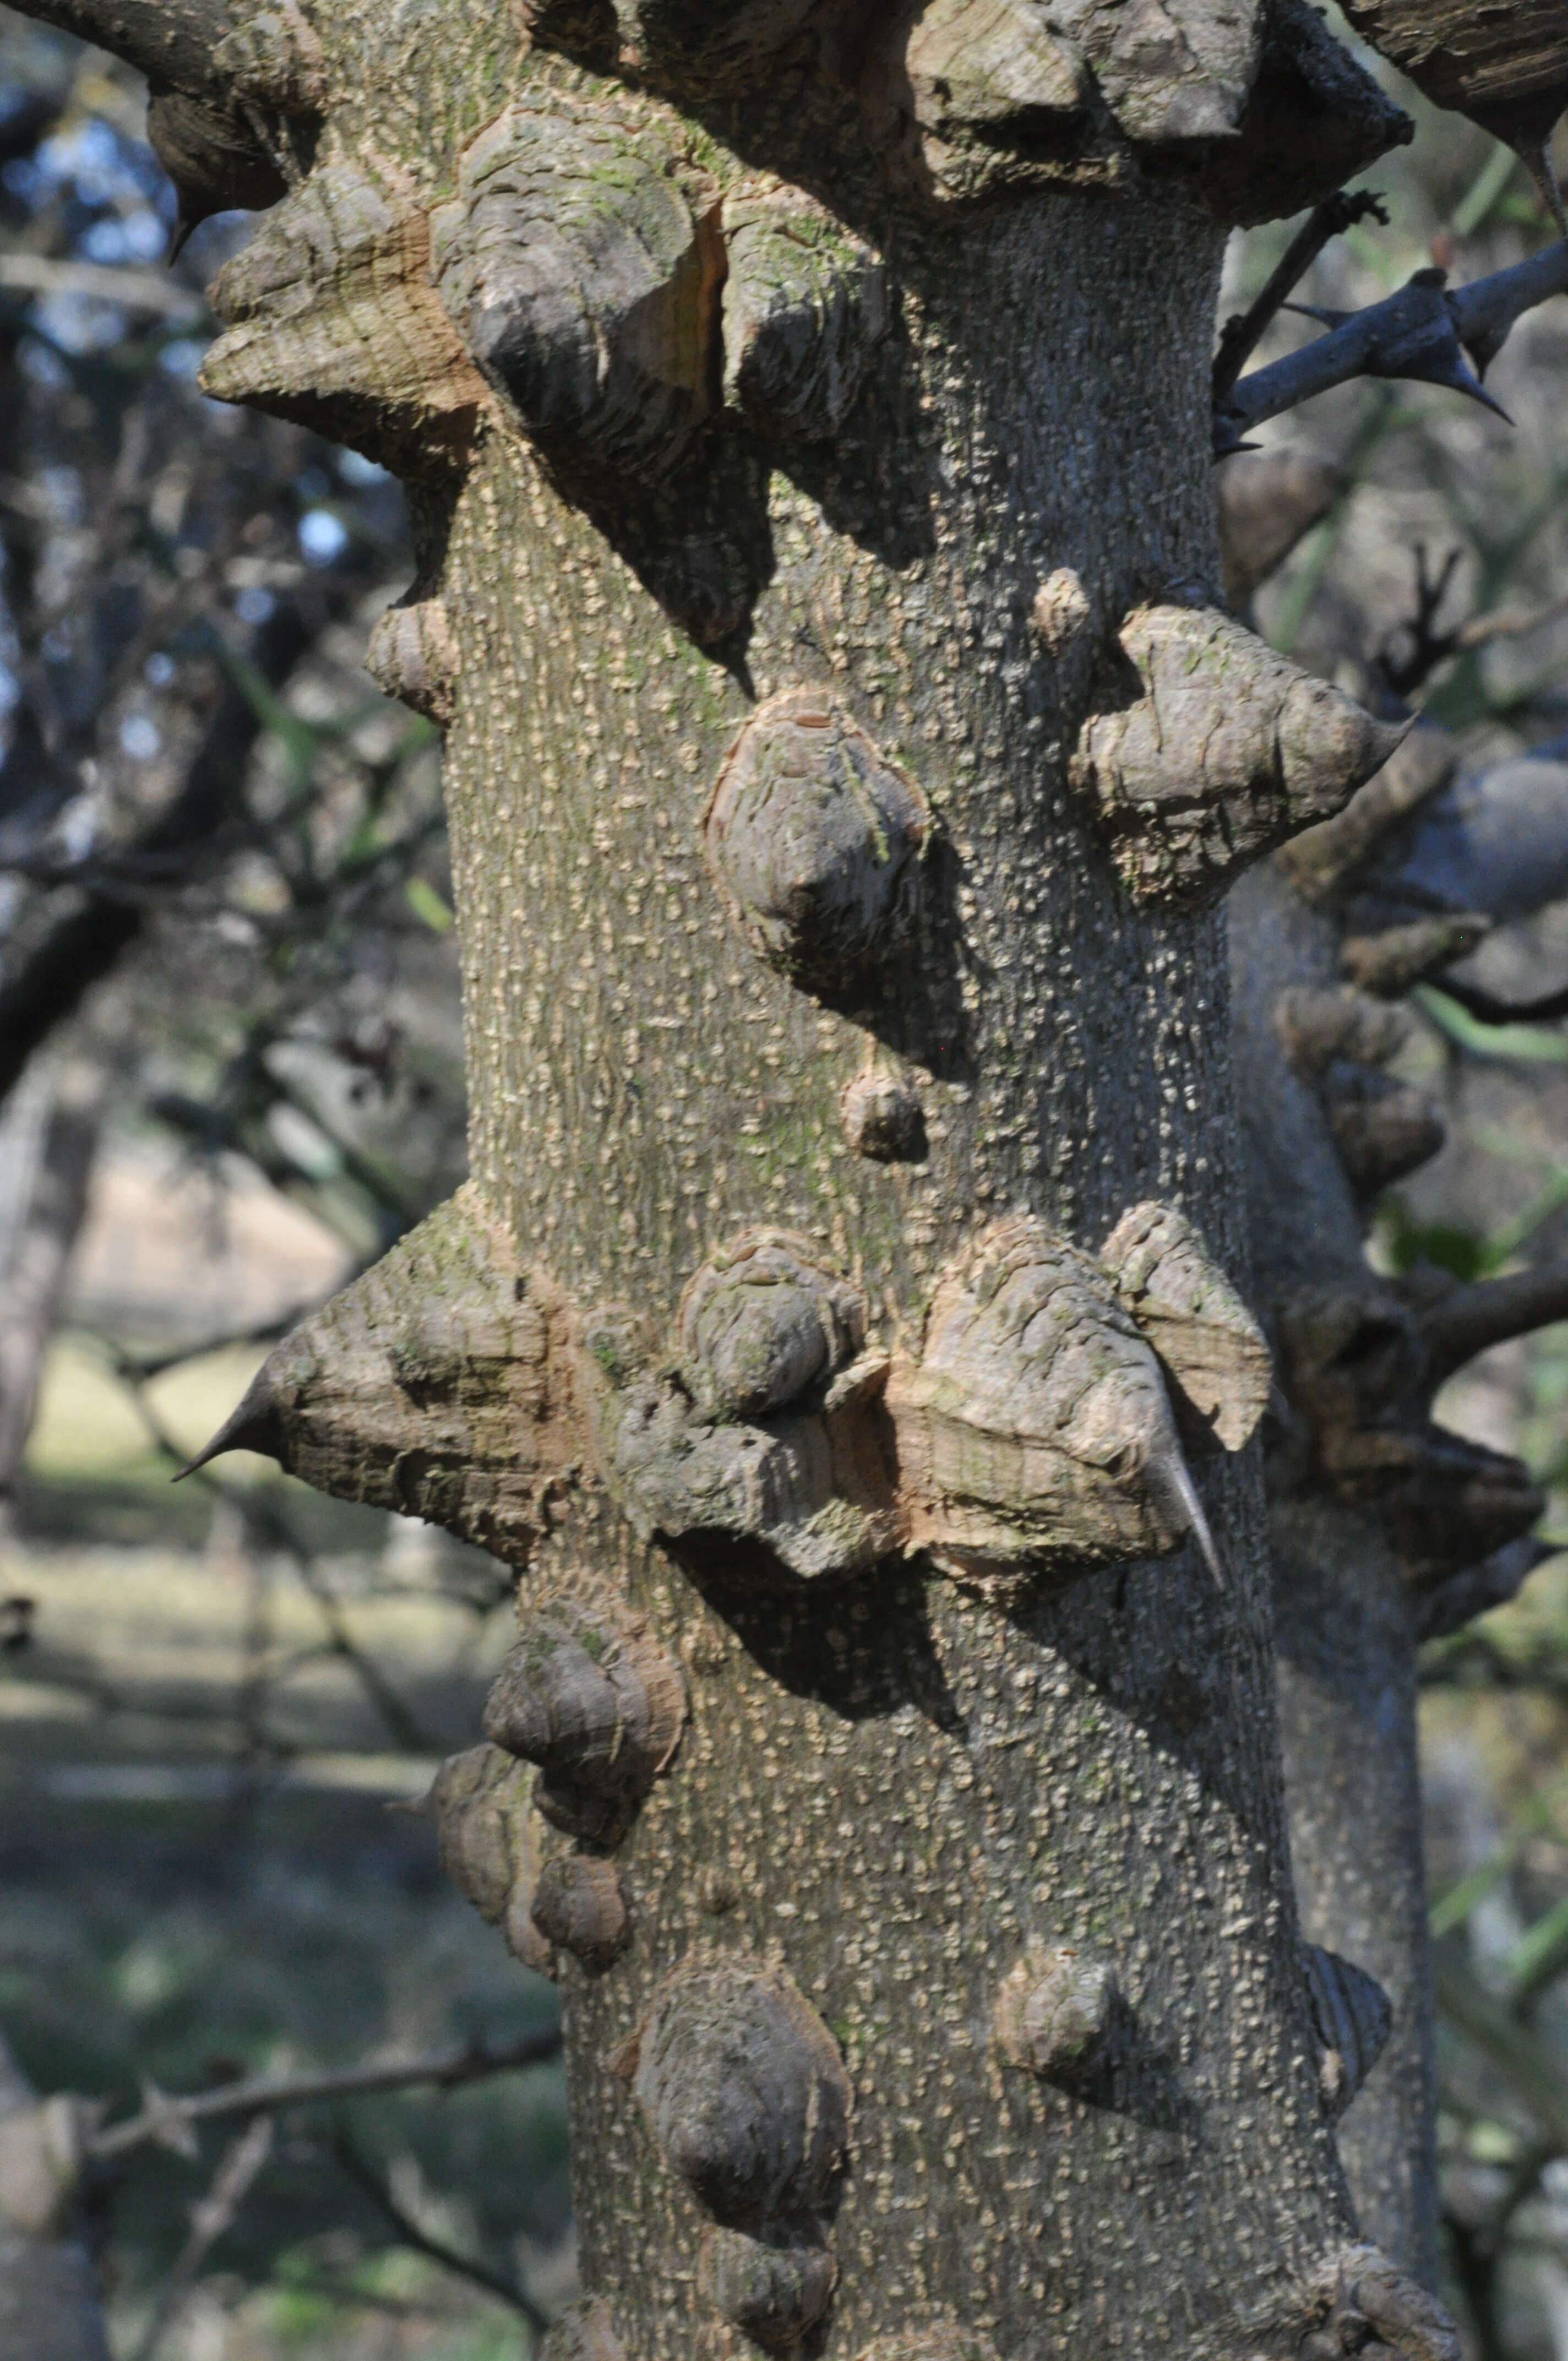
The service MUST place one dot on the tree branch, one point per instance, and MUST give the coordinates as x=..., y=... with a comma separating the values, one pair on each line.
x=409, y=2233
x=166, y=2120
x=170, y=41
x=1490, y=1311
x=211, y=2216
x=1241, y=331
x=1423, y=331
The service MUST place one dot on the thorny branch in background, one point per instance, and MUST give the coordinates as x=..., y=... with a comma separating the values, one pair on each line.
x=171, y=2121
x=1426, y=331
x=1244, y=331
x=210, y=2217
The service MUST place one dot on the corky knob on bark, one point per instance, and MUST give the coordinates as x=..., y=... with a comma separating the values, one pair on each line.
x=331, y=321
x=1054, y=2011
x=577, y=1906
x=413, y=656
x=488, y=1844
x=215, y=160
x=764, y=1425
x=440, y=1384
x=761, y=1322
x=805, y=307
x=773, y=2287
x=883, y=1116
x=815, y=839
x=589, y=1695
x=1506, y=68
x=1361, y=2302
x=745, y=2092
x=1353, y=2017
x=582, y=262
x=1207, y=749
x=1035, y=1431
x=1211, y=1349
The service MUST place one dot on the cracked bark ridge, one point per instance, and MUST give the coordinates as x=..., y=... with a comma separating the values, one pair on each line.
x=1054, y=2011
x=330, y=321
x=813, y=840
x=1211, y=1349
x=582, y=262
x=578, y=1906
x=1353, y=2017
x=487, y=1843
x=744, y=2089
x=413, y=656
x=586, y=2331
x=591, y=1698
x=802, y=1466
x=804, y=308
x=1034, y=1433
x=1207, y=749
x=439, y=1384
x=1361, y=2302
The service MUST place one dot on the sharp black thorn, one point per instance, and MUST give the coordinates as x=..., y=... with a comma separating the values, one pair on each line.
x=252, y=1425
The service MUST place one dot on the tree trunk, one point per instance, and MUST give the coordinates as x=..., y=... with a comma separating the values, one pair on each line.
x=48, y=1141
x=845, y=756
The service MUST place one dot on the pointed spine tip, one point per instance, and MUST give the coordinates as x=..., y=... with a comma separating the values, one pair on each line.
x=253, y=1426
x=1178, y=1494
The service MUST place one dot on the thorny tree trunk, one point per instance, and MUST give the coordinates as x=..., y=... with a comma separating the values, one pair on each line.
x=805, y=415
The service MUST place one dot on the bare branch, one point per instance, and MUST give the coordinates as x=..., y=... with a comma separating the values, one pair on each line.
x=164, y=2119
x=210, y=2217
x=1424, y=331
x=410, y=2233
x=170, y=41
x=1242, y=332
x=1488, y=1311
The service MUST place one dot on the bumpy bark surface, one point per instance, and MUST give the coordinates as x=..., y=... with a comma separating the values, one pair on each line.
x=843, y=1329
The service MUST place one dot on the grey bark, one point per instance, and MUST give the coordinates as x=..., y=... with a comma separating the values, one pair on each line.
x=48, y=1141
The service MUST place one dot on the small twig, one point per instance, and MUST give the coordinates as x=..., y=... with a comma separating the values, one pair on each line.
x=1241, y=334
x=211, y=2216
x=1428, y=646
x=165, y=2119
x=409, y=2233
x=1423, y=331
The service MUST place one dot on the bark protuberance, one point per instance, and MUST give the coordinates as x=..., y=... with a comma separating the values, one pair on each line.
x=725, y=394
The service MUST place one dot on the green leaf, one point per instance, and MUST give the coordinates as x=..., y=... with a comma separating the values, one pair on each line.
x=427, y=905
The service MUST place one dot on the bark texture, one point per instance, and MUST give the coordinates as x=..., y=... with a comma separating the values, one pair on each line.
x=854, y=1250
